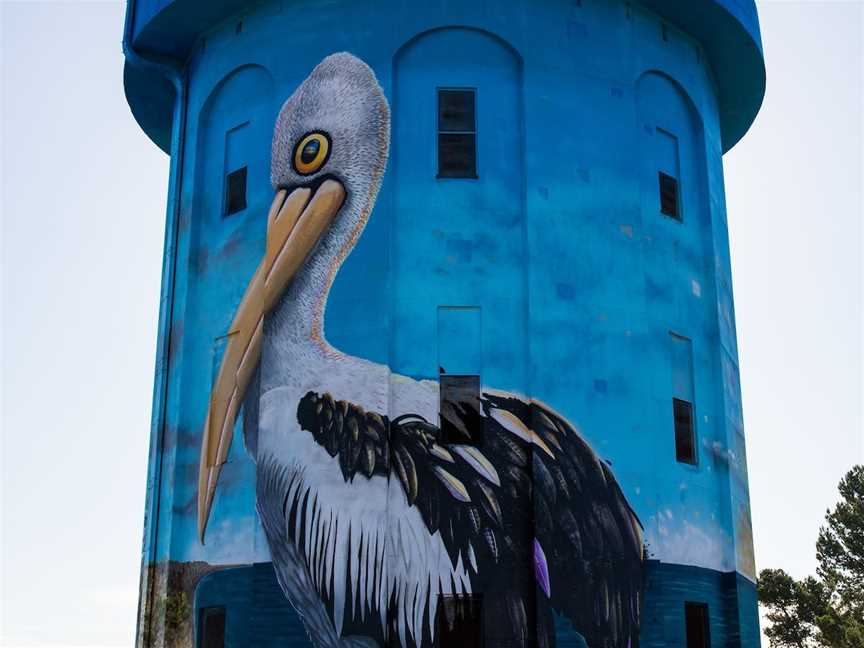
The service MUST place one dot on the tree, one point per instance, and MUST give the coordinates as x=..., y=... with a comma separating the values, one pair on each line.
x=826, y=611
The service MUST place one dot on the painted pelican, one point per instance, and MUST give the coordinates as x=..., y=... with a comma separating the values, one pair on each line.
x=373, y=519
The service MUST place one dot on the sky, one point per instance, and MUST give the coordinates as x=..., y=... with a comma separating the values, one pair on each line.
x=82, y=205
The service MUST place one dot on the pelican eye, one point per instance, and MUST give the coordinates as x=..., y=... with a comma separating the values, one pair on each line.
x=311, y=153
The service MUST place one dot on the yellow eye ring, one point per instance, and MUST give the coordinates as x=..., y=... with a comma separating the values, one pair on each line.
x=311, y=153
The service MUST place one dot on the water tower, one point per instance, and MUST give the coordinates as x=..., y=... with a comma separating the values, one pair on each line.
x=447, y=349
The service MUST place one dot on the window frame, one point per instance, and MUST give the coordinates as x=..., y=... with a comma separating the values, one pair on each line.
x=693, y=445
x=676, y=176
x=679, y=212
x=438, y=132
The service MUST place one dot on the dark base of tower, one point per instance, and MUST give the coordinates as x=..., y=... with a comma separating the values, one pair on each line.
x=730, y=599
x=257, y=614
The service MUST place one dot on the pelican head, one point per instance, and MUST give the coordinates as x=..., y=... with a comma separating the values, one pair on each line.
x=330, y=147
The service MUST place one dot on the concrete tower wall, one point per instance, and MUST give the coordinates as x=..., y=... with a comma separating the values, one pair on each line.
x=553, y=274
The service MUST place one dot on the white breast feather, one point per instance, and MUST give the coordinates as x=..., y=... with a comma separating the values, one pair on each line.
x=358, y=525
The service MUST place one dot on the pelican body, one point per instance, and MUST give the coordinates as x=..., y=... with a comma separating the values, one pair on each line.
x=382, y=527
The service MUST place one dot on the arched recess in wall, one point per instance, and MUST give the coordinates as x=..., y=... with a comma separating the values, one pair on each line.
x=458, y=234
x=235, y=126
x=674, y=183
x=232, y=133
x=458, y=57
x=674, y=155
x=672, y=143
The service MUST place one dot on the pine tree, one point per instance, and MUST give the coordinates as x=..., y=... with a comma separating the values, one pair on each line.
x=826, y=611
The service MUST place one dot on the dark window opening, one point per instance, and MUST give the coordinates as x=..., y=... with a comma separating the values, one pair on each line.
x=669, y=200
x=457, y=134
x=696, y=620
x=459, y=621
x=461, y=417
x=457, y=157
x=211, y=627
x=235, y=191
x=456, y=111
x=685, y=441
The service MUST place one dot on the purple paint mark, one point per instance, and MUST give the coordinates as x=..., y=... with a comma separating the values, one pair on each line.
x=541, y=568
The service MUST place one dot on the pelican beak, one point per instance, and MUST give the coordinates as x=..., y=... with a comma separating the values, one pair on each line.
x=294, y=225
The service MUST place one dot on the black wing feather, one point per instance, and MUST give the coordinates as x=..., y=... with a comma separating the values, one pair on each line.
x=591, y=537
x=554, y=491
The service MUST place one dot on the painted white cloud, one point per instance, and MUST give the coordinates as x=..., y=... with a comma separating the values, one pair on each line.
x=684, y=543
x=232, y=541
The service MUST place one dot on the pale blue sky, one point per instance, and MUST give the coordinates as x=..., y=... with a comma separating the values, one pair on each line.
x=83, y=204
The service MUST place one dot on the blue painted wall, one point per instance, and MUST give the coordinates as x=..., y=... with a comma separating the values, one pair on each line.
x=559, y=245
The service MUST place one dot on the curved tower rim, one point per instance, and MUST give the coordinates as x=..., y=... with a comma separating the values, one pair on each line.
x=728, y=30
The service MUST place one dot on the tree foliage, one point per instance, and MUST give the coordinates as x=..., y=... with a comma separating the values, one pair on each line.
x=826, y=611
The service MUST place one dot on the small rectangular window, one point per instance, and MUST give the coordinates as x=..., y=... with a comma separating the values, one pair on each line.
x=685, y=445
x=235, y=191
x=683, y=398
x=667, y=157
x=697, y=628
x=211, y=627
x=457, y=133
x=669, y=199
x=461, y=419
x=460, y=340
x=459, y=621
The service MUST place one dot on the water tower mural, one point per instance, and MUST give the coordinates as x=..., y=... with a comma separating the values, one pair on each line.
x=448, y=350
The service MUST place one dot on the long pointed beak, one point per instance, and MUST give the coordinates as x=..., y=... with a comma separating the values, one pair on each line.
x=294, y=225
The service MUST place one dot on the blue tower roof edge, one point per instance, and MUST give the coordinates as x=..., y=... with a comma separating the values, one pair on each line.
x=727, y=29
x=729, y=32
